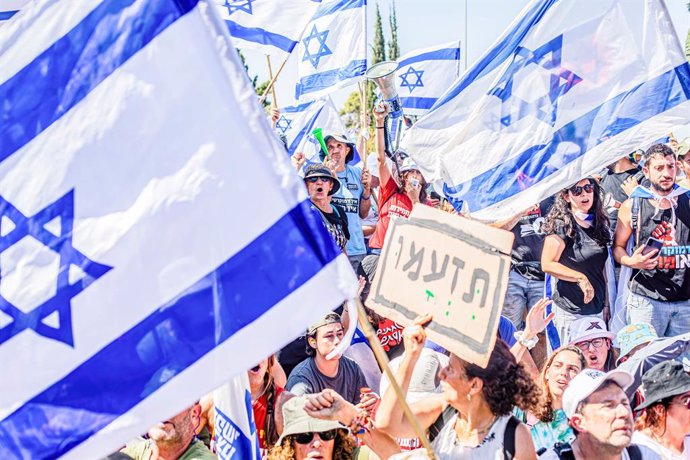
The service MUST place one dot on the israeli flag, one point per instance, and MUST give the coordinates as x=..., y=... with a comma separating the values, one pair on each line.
x=135, y=276
x=234, y=431
x=332, y=53
x=565, y=91
x=426, y=74
x=9, y=8
x=269, y=26
x=297, y=123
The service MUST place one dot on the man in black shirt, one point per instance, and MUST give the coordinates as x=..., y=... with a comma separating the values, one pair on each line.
x=659, y=289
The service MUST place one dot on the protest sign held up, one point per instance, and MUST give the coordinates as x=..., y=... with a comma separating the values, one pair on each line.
x=453, y=268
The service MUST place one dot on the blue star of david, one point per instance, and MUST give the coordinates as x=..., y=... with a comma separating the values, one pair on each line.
x=323, y=50
x=283, y=124
x=561, y=80
x=415, y=84
x=239, y=5
x=35, y=227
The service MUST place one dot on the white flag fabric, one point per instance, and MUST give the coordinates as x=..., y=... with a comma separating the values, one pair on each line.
x=332, y=53
x=269, y=26
x=425, y=75
x=565, y=91
x=9, y=8
x=135, y=272
x=234, y=425
x=298, y=121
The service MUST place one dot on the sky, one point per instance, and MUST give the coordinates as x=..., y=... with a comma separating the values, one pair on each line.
x=423, y=23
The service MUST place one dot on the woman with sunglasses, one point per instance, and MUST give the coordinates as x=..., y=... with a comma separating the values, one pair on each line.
x=321, y=186
x=575, y=253
x=549, y=424
x=665, y=422
x=327, y=427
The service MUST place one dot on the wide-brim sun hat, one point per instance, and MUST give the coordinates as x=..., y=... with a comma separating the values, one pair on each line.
x=296, y=420
x=632, y=336
x=321, y=170
x=665, y=380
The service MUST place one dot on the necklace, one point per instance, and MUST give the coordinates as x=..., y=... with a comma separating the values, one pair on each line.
x=465, y=432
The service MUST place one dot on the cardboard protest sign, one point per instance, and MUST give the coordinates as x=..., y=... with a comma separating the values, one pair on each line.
x=451, y=267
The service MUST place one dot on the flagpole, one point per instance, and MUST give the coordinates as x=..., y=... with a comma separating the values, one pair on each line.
x=383, y=363
x=465, y=35
x=273, y=80
x=364, y=128
x=270, y=76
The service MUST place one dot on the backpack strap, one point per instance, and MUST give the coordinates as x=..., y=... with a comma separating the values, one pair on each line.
x=564, y=451
x=634, y=218
x=509, y=438
x=634, y=452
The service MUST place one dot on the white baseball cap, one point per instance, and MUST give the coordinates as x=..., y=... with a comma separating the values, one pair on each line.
x=587, y=382
x=588, y=329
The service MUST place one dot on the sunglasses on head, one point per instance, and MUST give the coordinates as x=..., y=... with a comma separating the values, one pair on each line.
x=578, y=189
x=306, y=438
x=315, y=179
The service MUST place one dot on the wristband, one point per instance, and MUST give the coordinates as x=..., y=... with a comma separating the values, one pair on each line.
x=527, y=343
x=380, y=127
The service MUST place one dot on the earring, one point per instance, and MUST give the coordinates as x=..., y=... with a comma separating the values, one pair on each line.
x=469, y=397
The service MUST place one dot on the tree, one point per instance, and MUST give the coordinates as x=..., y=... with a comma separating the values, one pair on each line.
x=393, y=49
x=350, y=112
x=259, y=88
x=379, y=47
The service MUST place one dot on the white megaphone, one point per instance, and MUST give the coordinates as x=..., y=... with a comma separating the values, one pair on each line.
x=383, y=75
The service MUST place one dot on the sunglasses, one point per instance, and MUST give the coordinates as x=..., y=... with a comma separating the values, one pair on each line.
x=578, y=189
x=306, y=438
x=317, y=178
x=596, y=343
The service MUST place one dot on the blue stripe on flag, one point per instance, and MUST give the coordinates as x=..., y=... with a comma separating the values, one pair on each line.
x=446, y=54
x=173, y=337
x=5, y=15
x=497, y=55
x=323, y=80
x=333, y=7
x=303, y=132
x=65, y=73
x=297, y=108
x=644, y=101
x=258, y=35
x=418, y=102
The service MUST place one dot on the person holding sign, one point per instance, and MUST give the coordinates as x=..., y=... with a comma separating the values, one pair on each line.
x=472, y=418
x=575, y=252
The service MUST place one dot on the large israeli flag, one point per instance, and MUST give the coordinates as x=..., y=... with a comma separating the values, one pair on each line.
x=570, y=87
x=9, y=8
x=269, y=26
x=426, y=74
x=332, y=52
x=297, y=123
x=135, y=275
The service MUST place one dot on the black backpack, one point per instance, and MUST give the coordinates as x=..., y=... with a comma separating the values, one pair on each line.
x=565, y=451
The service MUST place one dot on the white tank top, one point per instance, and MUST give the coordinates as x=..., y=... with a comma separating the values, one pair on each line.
x=447, y=447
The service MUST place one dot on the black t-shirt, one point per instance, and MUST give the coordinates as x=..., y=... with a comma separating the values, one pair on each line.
x=614, y=196
x=585, y=255
x=529, y=241
x=669, y=282
x=336, y=223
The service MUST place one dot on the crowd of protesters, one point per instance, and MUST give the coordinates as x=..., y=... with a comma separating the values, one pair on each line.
x=613, y=250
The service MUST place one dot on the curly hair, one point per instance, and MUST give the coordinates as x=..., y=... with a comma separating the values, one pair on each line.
x=560, y=217
x=506, y=383
x=342, y=449
x=422, y=194
x=269, y=385
x=661, y=150
x=545, y=410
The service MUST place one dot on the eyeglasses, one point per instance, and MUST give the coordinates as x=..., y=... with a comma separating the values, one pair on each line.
x=578, y=189
x=313, y=180
x=596, y=343
x=306, y=438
